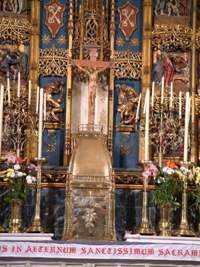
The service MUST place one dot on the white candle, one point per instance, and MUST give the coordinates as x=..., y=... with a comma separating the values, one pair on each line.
x=40, y=124
x=45, y=106
x=146, y=138
x=152, y=94
x=145, y=100
x=162, y=89
x=29, y=92
x=18, y=84
x=8, y=90
x=1, y=115
x=37, y=99
x=187, y=120
x=171, y=96
x=180, y=105
x=138, y=108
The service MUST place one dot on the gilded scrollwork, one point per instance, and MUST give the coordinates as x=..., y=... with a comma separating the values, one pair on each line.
x=172, y=36
x=15, y=29
x=198, y=38
x=127, y=65
x=53, y=62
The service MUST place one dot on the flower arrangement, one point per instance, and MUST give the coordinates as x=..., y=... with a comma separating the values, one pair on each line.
x=167, y=184
x=19, y=174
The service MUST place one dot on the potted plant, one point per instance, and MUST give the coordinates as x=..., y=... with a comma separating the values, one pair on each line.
x=18, y=174
x=168, y=184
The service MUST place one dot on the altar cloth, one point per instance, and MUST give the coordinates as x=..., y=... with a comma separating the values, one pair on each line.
x=142, y=248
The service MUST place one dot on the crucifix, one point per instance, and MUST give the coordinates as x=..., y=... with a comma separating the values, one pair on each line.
x=92, y=68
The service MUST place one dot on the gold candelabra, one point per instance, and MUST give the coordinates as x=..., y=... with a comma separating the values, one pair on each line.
x=145, y=228
x=36, y=226
x=184, y=229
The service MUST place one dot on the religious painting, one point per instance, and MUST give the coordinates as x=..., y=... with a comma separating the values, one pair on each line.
x=15, y=6
x=174, y=67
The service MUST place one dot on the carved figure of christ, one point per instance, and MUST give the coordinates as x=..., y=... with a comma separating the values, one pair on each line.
x=92, y=68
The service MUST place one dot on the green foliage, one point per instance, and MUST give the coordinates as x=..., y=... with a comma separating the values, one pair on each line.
x=17, y=189
x=166, y=191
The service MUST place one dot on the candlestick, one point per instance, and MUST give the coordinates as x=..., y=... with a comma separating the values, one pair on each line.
x=186, y=133
x=8, y=90
x=40, y=123
x=1, y=114
x=145, y=100
x=37, y=99
x=29, y=92
x=138, y=108
x=146, y=139
x=171, y=96
x=152, y=94
x=180, y=105
x=18, y=84
x=162, y=89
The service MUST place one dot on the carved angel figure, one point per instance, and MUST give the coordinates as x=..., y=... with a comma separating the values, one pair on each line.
x=54, y=104
x=126, y=104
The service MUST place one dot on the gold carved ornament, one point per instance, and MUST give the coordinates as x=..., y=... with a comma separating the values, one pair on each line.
x=15, y=29
x=172, y=36
x=128, y=65
x=53, y=62
x=198, y=39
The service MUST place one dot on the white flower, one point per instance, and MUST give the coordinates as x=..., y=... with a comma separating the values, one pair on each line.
x=17, y=167
x=20, y=174
x=168, y=170
x=30, y=179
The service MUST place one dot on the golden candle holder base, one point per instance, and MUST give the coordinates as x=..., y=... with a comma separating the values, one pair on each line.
x=184, y=229
x=36, y=226
x=145, y=228
x=2, y=230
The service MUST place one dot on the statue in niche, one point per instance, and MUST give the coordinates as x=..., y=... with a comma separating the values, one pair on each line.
x=171, y=8
x=92, y=68
x=54, y=104
x=14, y=6
x=127, y=104
x=14, y=58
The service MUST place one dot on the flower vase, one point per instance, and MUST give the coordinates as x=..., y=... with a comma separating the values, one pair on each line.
x=16, y=214
x=165, y=220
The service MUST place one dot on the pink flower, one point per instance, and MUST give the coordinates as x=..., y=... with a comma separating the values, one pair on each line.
x=150, y=170
x=11, y=159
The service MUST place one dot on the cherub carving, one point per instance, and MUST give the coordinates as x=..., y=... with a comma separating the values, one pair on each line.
x=54, y=104
x=127, y=104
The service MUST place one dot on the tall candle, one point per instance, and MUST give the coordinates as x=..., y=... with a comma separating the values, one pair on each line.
x=145, y=100
x=45, y=106
x=146, y=137
x=152, y=93
x=29, y=92
x=180, y=105
x=40, y=123
x=37, y=99
x=162, y=89
x=8, y=90
x=186, y=133
x=171, y=96
x=1, y=115
x=18, y=84
x=138, y=108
